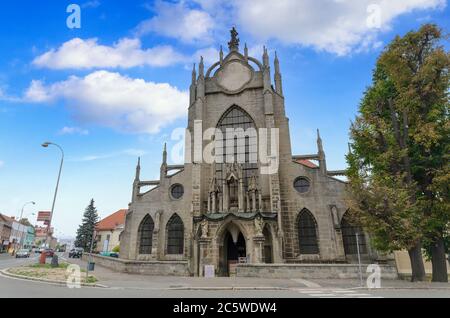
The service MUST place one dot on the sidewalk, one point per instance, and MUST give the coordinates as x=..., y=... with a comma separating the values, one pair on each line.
x=123, y=280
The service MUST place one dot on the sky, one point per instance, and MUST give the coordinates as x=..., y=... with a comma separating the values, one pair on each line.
x=117, y=87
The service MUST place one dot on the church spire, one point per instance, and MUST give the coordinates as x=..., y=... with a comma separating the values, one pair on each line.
x=221, y=55
x=246, y=51
x=233, y=45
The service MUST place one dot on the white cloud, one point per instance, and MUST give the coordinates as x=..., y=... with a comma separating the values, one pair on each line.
x=113, y=100
x=126, y=152
x=73, y=130
x=78, y=53
x=178, y=21
x=91, y=4
x=336, y=26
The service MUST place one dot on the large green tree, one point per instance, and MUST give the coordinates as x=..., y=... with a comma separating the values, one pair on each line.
x=398, y=167
x=86, y=229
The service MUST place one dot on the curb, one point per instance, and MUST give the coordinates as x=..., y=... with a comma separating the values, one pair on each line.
x=49, y=281
x=227, y=288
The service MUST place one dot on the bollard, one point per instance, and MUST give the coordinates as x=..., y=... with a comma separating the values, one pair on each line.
x=42, y=258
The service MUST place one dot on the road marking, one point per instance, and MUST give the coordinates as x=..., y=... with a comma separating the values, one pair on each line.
x=307, y=283
x=343, y=291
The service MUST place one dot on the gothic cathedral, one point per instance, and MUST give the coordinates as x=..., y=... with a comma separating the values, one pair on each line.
x=225, y=213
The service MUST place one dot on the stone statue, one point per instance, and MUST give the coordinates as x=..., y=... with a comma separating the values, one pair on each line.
x=259, y=224
x=234, y=42
x=204, y=226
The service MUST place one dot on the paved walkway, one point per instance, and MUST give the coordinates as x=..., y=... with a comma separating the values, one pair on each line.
x=123, y=280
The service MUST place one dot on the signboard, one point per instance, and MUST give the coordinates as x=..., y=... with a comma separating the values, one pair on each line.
x=44, y=216
x=209, y=271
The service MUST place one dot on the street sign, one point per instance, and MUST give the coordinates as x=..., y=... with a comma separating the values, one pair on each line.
x=44, y=216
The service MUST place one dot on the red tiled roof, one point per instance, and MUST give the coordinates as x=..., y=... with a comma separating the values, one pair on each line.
x=112, y=221
x=307, y=163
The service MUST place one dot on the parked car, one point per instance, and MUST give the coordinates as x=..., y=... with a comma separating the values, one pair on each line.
x=23, y=253
x=76, y=252
x=110, y=254
x=48, y=252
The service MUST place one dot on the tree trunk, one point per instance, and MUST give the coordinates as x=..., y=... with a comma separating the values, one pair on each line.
x=439, y=263
x=417, y=267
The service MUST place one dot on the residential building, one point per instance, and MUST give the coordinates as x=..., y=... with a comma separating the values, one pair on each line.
x=109, y=230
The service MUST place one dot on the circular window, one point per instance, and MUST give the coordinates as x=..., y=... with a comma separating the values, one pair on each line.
x=177, y=191
x=301, y=184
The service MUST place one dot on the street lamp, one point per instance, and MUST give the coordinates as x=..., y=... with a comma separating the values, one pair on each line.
x=45, y=145
x=20, y=219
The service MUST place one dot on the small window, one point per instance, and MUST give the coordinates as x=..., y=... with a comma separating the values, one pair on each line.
x=301, y=184
x=177, y=191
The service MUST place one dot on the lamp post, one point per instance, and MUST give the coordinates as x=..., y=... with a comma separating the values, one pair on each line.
x=45, y=145
x=20, y=219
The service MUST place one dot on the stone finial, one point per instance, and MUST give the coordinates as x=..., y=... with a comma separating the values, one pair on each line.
x=321, y=153
x=165, y=154
x=319, y=142
x=246, y=51
x=138, y=170
x=233, y=45
x=221, y=55
x=201, y=68
x=194, y=75
x=265, y=57
x=277, y=64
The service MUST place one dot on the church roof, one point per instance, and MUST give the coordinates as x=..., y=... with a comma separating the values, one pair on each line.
x=307, y=163
x=112, y=221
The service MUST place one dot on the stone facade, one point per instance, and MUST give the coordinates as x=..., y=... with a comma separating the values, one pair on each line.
x=226, y=213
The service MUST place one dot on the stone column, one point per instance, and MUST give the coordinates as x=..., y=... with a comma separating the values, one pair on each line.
x=209, y=202
x=220, y=202
x=259, y=249
x=226, y=199
x=260, y=204
x=213, y=194
x=241, y=195
x=253, y=201
x=248, y=203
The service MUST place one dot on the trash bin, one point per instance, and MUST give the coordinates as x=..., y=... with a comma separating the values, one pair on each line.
x=91, y=266
x=42, y=258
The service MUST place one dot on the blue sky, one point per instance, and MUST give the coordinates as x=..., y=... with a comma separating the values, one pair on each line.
x=117, y=87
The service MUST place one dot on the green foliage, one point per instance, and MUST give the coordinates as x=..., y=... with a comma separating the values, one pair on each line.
x=86, y=229
x=398, y=169
x=116, y=249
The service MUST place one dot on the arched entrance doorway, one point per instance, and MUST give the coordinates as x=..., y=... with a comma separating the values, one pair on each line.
x=234, y=251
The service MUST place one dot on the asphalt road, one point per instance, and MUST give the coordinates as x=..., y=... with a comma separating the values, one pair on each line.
x=10, y=287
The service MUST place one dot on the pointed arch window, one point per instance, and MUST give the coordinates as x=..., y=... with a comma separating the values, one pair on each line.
x=175, y=235
x=243, y=147
x=307, y=233
x=349, y=233
x=146, y=235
